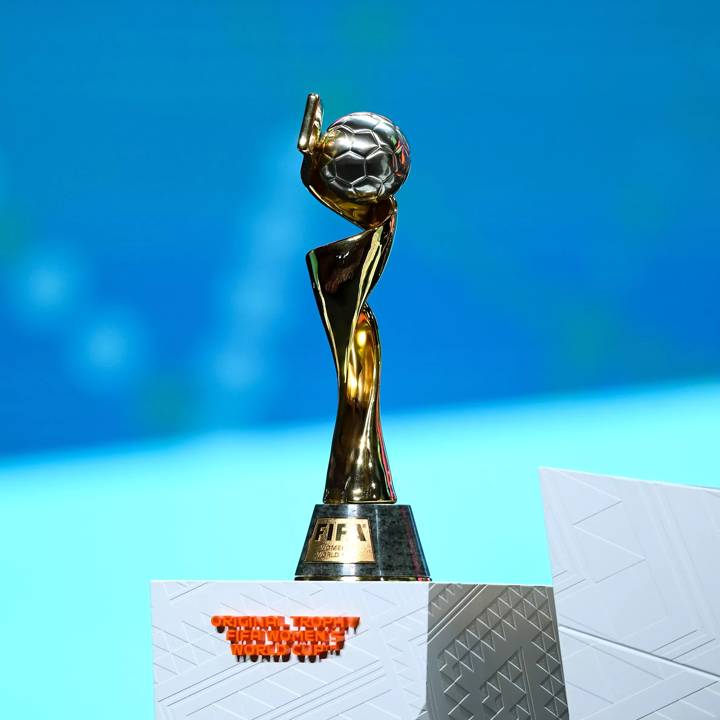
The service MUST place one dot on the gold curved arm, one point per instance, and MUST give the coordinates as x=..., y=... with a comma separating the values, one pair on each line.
x=343, y=274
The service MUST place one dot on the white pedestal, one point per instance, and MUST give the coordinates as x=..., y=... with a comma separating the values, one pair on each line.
x=421, y=650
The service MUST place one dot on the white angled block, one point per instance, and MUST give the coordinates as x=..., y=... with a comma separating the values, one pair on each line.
x=636, y=570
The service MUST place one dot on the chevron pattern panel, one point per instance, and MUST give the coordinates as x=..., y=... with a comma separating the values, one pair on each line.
x=636, y=570
x=493, y=654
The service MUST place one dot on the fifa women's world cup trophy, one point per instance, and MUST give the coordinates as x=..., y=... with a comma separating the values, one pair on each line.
x=354, y=168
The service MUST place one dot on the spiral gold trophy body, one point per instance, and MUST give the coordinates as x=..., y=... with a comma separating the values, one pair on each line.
x=358, y=533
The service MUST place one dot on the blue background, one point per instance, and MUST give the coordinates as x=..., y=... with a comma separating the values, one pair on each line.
x=162, y=365
x=559, y=229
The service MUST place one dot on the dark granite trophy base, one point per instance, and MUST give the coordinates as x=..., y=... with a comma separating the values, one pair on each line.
x=368, y=541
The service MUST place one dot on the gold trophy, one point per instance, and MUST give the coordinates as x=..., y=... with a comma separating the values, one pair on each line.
x=354, y=168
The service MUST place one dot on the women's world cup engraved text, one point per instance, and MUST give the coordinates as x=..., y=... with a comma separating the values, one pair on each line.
x=341, y=540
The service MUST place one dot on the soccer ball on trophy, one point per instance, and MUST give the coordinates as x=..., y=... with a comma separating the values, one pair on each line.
x=363, y=157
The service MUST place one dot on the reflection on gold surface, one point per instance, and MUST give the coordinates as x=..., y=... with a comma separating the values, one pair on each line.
x=343, y=274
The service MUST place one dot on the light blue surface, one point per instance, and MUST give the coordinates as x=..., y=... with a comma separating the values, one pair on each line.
x=82, y=536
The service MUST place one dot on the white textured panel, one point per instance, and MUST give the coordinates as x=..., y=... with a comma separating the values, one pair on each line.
x=606, y=681
x=380, y=673
x=493, y=654
x=636, y=569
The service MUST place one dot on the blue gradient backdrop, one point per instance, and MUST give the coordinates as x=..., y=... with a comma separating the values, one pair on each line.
x=559, y=229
